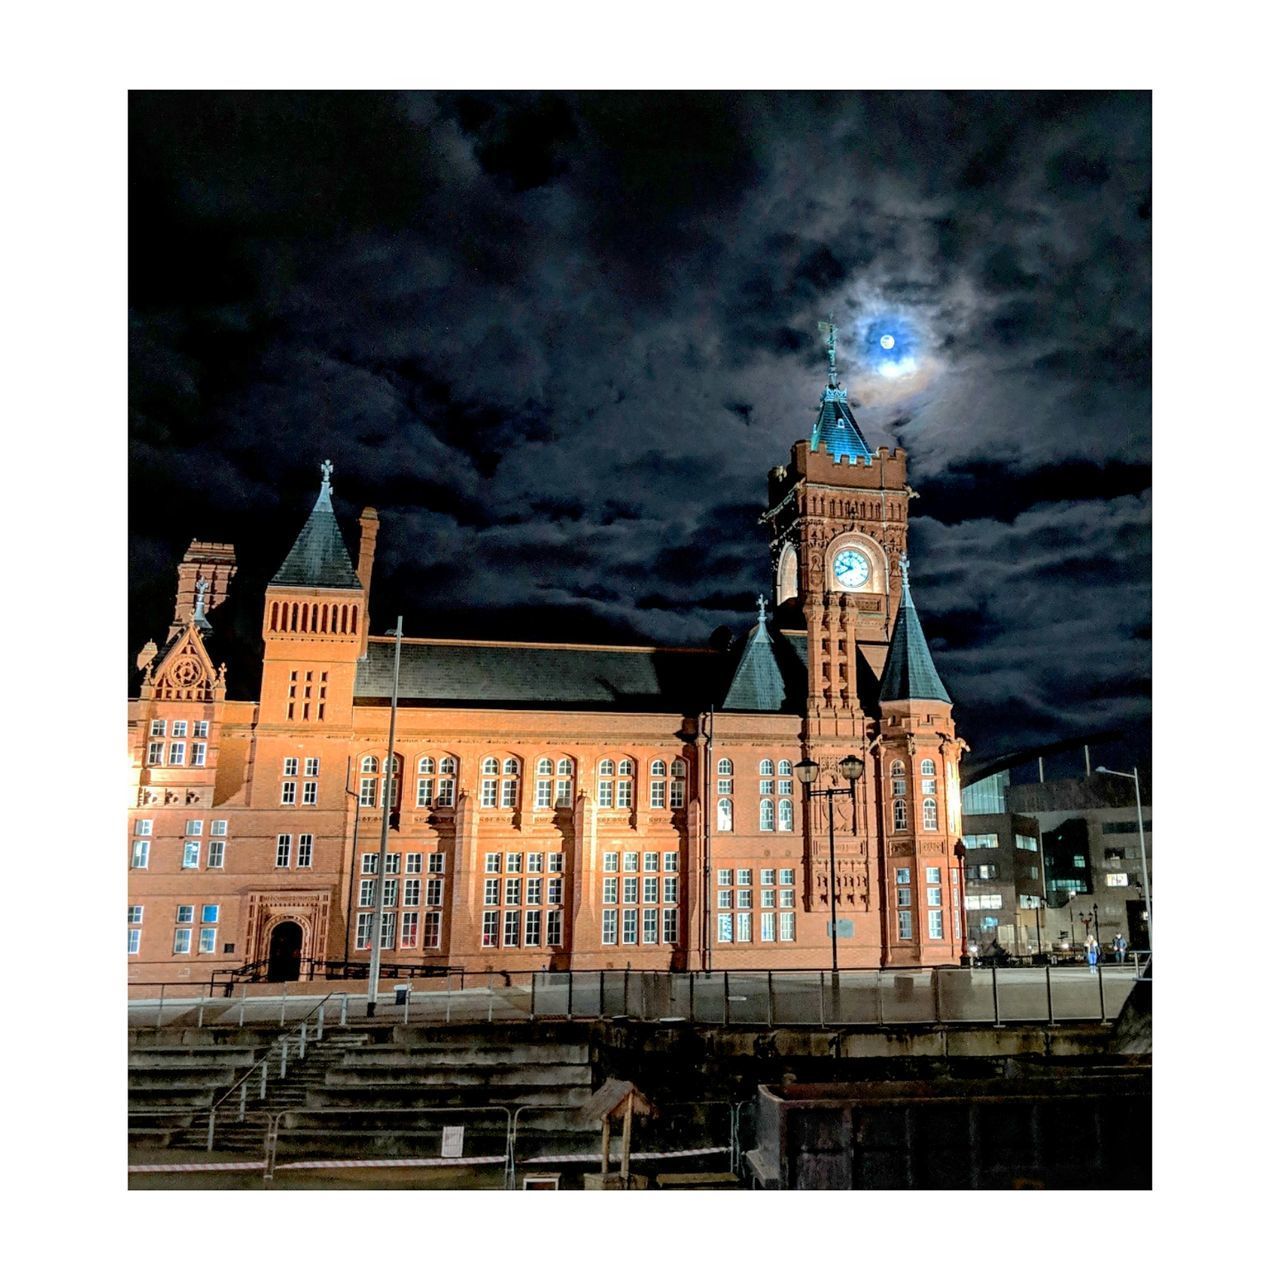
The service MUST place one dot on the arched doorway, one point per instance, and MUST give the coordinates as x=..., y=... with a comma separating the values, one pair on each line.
x=284, y=962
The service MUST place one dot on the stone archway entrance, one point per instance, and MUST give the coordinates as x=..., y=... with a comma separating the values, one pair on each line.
x=284, y=958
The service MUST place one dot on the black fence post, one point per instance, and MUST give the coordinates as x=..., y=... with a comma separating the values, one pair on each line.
x=568, y=1013
x=995, y=994
x=1102, y=995
x=726, y=997
x=769, y=990
x=1048, y=990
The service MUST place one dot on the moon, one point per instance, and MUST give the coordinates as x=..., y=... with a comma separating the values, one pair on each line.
x=886, y=341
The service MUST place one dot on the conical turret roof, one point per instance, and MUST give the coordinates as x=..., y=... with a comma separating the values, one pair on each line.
x=757, y=683
x=836, y=427
x=909, y=672
x=319, y=557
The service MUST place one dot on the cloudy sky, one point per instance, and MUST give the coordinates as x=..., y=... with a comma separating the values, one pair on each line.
x=558, y=340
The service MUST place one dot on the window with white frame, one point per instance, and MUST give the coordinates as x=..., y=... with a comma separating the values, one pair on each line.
x=200, y=729
x=177, y=756
x=1026, y=842
x=724, y=927
x=304, y=849
x=658, y=784
x=904, y=895
x=604, y=784
x=135, y=915
x=899, y=814
x=543, y=778
x=564, y=783
x=786, y=815
x=289, y=766
x=724, y=814
x=157, y=728
x=510, y=783
x=218, y=827
x=928, y=778
x=309, y=792
x=982, y=840
x=208, y=941
x=197, y=754
x=311, y=767
x=980, y=871
x=609, y=926
x=767, y=927
x=933, y=895
x=935, y=925
x=190, y=855
x=898, y=785
x=135, y=941
x=155, y=753
x=284, y=848
x=902, y=875
x=182, y=942
x=140, y=855
x=767, y=821
x=630, y=926
x=364, y=931
x=983, y=901
x=930, y=814
x=288, y=792
x=626, y=783
x=679, y=772
x=179, y=729
x=408, y=929
x=904, y=926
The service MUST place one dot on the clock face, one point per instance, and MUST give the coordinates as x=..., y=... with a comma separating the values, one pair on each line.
x=851, y=568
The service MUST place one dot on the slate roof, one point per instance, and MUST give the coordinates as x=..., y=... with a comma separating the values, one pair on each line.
x=769, y=675
x=515, y=676
x=836, y=427
x=319, y=557
x=908, y=670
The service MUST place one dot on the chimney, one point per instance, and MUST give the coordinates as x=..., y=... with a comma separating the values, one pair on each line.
x=364, y=571
x=213, y=563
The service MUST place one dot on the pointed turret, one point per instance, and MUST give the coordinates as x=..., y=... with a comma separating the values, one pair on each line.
x=319, y=557
x=835, y=427
x=757, y=684
x=909, y=673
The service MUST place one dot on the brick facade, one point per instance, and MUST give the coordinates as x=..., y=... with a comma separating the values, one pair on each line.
x=530, y=832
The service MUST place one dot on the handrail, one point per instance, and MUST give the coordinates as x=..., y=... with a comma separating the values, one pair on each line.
x=260, y=1061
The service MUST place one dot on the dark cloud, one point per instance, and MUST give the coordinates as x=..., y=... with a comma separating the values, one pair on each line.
x=559, y=339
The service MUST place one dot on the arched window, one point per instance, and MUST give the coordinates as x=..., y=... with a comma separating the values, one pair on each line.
x=605, y=768
x=448, y=765
x=724, y=778
x=724, y=814
x=929, y=778
x=658, y=784
x=488, y=783
x=930, y=814
x=542, y=788
x=724, y=767
x=678, y=772
x=626, y=785
x=445, y=780
x=928, y=769
x=898, y=779
x=426, y=765
x=604, y=784
x=766, y=815
x=784, y=768
x=564, y=782
x=510, y=782
x=899, y=815
x=786, y=816
x=766, y=768
x=369, y=764
x=658, y=768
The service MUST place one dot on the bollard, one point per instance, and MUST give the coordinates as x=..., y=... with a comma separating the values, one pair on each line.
x=995, y=995
x=262, y=1092
x=822, y=998
x=342, y=1018
x=302, y=1041
x=320, y=1023
x=209, y=1143
x=569, y=1007
x=533, y=994
x=244, y=1095
x=200, y=1010
x=284, y=1058
x=284, y=990
x=408, y=997
x=1102, y=996
x=160, y=1007
x=242, y=1000
x=448, y=1002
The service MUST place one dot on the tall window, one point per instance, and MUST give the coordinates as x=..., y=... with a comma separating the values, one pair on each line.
x=724, y=777
x=604, y=784
x=564, y=783
x=426, y=781
x=898, y=783
x=510, y=782
x=786, y=816
x=766, y=815
x=658, y=785
x=679, y=771
x=930, y=814
x=899, y=814
x=446, y=781
x=542, y=785
x=626, y=783
x=488, y=783
x=724, y=814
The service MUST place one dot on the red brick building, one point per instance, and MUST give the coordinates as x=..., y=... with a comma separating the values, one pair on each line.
x=556, y=805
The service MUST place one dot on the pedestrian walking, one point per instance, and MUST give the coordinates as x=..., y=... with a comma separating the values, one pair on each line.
x=1121, y=946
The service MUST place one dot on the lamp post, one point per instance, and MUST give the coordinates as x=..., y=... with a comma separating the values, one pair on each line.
x=1142, y=841
x=389, y=781
x=851, y=769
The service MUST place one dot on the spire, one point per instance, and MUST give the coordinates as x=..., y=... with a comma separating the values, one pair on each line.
x=197, y=614
x=909, y=672
x=835, y=426
x=757, y=683
x=319, y=557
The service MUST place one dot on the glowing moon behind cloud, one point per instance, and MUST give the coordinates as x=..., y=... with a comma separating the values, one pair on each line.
x=886, y=341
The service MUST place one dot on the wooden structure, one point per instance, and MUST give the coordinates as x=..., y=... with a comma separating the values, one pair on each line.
x=613, y=1100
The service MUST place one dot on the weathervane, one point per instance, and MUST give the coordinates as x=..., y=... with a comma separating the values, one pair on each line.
x=201, y=587
x=828, y=326
x=326, y=470
x=760, y=605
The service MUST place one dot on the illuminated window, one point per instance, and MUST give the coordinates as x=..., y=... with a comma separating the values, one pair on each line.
x=724, y=815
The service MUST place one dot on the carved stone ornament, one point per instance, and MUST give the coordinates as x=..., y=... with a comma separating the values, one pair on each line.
x=186, y=671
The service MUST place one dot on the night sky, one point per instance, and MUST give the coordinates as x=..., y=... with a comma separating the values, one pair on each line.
x=558, y=340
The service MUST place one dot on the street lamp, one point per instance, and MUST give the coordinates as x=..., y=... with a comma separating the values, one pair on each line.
x=851, y=769
x=1142, y=840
